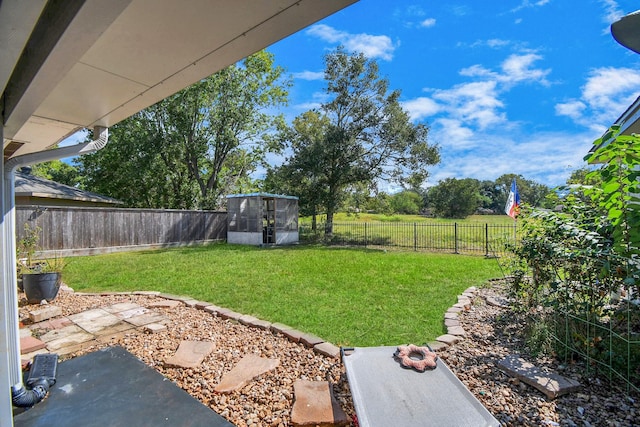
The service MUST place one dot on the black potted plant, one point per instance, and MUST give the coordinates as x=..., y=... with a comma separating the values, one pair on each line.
x=38, y=278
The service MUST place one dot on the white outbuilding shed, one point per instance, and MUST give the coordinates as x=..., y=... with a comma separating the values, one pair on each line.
x=262, y=219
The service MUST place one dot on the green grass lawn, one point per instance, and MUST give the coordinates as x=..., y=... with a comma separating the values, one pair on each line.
x=350, y=297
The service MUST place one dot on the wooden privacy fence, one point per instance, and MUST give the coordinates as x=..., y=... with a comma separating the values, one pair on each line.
x=81, y=231
x=459, y=238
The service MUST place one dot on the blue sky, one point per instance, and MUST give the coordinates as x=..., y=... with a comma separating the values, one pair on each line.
x=520, y=86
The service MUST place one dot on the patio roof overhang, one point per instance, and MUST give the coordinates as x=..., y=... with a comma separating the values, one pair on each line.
x=74, y=64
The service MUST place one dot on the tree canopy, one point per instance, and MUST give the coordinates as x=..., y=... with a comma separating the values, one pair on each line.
x=188, y=150
x=359, y=135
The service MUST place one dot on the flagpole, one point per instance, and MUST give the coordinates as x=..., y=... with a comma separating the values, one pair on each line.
x=512, y=208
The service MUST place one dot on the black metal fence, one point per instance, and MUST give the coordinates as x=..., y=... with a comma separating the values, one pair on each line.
x=459, y=238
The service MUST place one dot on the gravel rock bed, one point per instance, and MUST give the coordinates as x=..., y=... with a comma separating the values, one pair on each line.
x=266, y=401
x=492, y=333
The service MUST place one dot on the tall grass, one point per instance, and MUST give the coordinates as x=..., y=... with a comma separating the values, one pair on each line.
x=349, y=297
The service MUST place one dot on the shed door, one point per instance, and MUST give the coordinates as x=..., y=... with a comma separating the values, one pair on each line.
x=269, y=221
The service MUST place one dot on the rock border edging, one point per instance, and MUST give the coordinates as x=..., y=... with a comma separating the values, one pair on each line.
x=318, y=344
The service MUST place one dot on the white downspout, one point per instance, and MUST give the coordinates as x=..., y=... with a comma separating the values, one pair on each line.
x=9, y=320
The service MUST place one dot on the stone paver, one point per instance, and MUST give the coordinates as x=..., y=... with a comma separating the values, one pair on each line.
x=94, y=320
x=69, y=340
x=247, y=319
x=451, y=322
x=498, y=302
x=448, y=339
x=437, y=345
x=451, y=316
x=182, y=298
x=279, y=327
x=293, y=334
x=315, y=405
x=121, y=306
x=190, y=354
x=45, y=313
x=30, y=344
x=145, y=319
x=132, y=312
x=213, y=309
x=55, y=334
x=230, y=315
x=167, y=303
x=456, y=330
x=455, y=309
x=58, y=323
x=155, y=328
x=249, y=367
x=201, y=305
x=549, y=383
x=327, y=349
x=310, y=340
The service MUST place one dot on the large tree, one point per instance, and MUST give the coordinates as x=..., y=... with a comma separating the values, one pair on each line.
x=190, y=149
x=365, y=135
x=455, y=198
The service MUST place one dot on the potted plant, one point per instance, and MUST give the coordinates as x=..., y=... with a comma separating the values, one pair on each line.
x=40, y=278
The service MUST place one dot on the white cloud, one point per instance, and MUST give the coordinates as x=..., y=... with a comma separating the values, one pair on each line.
x=573, y=109
x=517, y=68
x=526, y=4
x=547, y=158
x=309, y=75
x=427, y=23
x=475, y=103
x=605, y=96
x=371, y=46
x=613, y=12
x=421, y=108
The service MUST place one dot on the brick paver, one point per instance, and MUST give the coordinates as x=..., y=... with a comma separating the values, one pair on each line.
x=315, y=405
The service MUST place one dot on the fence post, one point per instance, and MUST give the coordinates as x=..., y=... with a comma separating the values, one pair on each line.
x=455, y=236
x=415, y=237
x=365, y=234
x=486, y=239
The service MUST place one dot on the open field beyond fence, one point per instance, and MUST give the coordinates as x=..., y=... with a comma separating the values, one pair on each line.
x=452, y=237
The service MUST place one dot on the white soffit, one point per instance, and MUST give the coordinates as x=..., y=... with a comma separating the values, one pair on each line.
x=145, y=51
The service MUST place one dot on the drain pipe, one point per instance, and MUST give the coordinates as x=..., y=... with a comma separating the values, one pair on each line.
x=21, y=396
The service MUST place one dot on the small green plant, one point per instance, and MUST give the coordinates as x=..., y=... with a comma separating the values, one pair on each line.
x=26, y=249
x=27, y=246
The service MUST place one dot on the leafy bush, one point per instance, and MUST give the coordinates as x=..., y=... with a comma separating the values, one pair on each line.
x=579, y=268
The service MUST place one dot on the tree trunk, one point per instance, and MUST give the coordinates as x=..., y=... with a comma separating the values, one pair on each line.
x=328, y=227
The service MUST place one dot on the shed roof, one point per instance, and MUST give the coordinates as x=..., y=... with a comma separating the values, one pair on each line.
x=278, y=196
